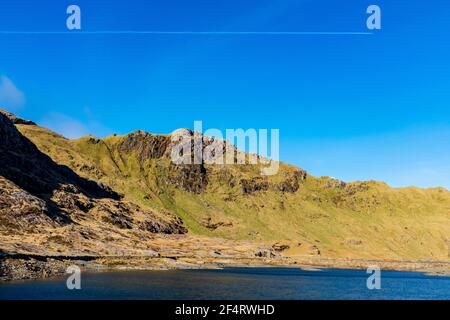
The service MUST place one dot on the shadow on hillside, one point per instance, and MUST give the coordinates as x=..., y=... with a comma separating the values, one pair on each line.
x=24, y=164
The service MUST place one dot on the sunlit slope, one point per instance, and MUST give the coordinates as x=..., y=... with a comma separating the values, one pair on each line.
x=313, y=216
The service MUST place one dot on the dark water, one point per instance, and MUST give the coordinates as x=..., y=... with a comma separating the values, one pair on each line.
x=234, y=283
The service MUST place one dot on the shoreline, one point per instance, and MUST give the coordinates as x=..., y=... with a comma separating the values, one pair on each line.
x=32, y=267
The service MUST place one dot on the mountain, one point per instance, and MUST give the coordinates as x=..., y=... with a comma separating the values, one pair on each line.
x=104, y=196
x=38, y=195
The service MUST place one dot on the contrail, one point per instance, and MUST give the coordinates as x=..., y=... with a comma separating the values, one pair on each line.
x=132, y=32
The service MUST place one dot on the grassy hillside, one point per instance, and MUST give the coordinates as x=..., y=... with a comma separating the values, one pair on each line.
x=314, y=216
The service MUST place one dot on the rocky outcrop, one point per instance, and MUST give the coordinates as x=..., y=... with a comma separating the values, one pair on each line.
x=194, y=152
x=15, y=119
x=120, y=214
x=253, y=185
x=280, y=247
x=192, y=178
x=19, y=210
x=314, y=250
x=335, y=184
x=31, y=268
x=144, y=145
x=292, y=182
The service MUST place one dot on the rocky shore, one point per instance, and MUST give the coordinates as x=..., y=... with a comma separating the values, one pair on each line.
x=28, y=267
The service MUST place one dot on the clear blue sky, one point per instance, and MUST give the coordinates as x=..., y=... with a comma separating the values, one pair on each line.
x=349, y=106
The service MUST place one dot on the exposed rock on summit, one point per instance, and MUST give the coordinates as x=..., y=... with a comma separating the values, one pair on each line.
x=15, y=119
x=145, y=145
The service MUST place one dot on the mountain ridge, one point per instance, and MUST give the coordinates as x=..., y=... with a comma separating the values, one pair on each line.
x=38, y=195
x=308, y=216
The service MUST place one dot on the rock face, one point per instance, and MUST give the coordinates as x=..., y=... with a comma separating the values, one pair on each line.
x=145, y=145
x=292, y=183
x=21, y=210
x=31, y=268
x=199, y=151
x=191, y=178
x=335, y=184
x=120, y=214
x=254, y=184
x=37, y=193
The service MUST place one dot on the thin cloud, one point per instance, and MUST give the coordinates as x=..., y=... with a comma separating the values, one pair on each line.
x=10, y=96
x=73, y=128
x=414, y=156
x=64, y=125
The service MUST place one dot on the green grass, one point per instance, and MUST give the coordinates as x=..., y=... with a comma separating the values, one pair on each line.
x=364, y=220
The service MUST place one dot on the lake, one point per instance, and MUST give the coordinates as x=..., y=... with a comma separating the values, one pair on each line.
x=234, y=284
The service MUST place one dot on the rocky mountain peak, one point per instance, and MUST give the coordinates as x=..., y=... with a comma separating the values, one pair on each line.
x=15, y=119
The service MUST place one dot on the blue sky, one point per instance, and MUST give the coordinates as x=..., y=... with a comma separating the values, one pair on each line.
x=349, y=106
